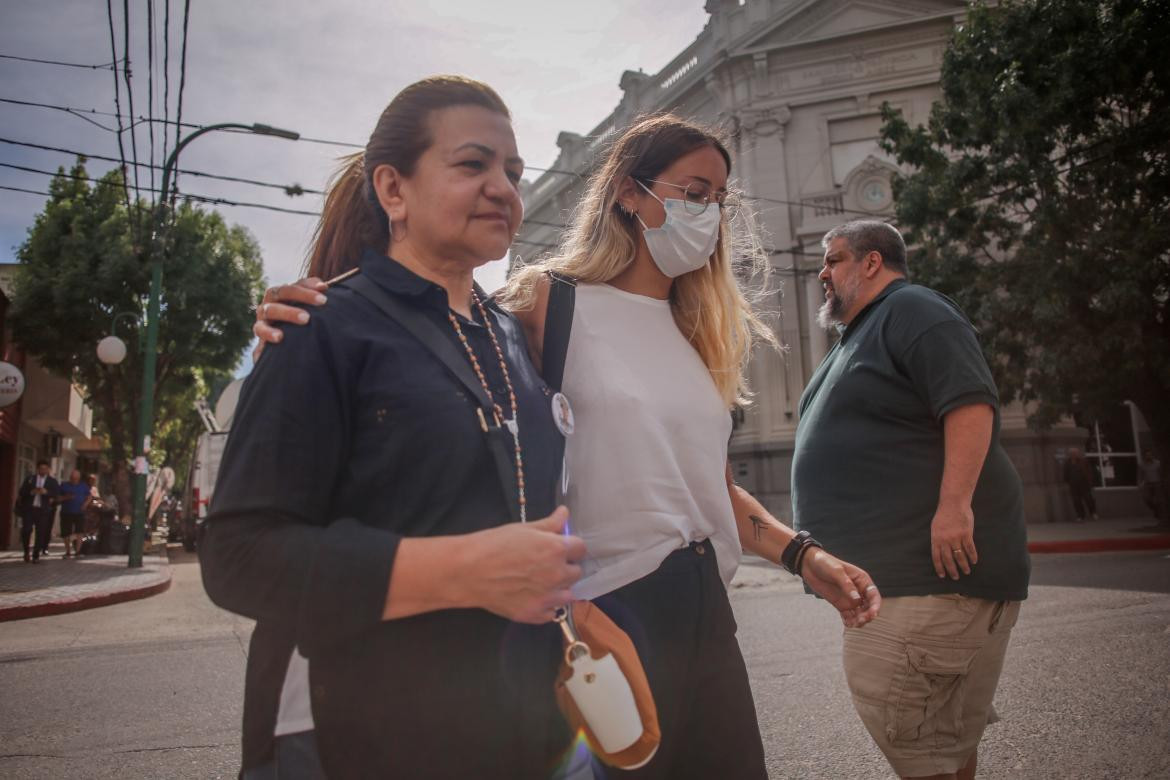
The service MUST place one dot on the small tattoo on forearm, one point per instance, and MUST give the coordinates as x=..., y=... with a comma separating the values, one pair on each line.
x=757, y=525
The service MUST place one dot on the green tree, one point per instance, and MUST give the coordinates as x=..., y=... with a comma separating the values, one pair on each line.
x=1039, y=198
x=82, y=264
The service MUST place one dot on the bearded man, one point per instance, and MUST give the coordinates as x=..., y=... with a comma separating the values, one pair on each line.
x=898, y=468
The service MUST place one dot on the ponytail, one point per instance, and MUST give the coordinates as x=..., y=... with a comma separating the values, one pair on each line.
x=350, y=222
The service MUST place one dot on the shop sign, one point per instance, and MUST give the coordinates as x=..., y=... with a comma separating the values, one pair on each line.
x=11, y=384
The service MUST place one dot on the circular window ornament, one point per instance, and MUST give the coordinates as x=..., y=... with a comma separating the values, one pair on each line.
x=11, y=384
x=874, y=194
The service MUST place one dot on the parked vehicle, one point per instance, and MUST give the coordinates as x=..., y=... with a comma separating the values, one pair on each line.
x=205, y=464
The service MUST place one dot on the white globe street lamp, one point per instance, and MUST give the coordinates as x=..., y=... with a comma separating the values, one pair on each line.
x=111, y=350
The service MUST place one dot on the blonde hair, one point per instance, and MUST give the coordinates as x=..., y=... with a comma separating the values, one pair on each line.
x=711, y=305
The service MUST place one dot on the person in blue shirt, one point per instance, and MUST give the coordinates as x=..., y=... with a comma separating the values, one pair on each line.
x=73, y=496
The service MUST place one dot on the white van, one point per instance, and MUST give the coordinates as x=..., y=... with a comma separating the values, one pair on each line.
x=205, y=466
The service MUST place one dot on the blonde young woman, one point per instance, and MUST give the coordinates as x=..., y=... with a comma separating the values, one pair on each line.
x=660, y=336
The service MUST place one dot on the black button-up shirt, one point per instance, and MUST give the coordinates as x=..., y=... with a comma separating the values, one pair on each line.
x=349, y=436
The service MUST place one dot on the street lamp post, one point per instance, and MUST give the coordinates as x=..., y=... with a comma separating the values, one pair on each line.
x=158, y=249
x=112, y=350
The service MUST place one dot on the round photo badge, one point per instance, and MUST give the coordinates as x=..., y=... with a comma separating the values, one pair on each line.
x=562, y=414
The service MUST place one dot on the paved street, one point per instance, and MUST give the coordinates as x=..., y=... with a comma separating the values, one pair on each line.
x=152, y=688
x=147, y=688
x=1085, y=691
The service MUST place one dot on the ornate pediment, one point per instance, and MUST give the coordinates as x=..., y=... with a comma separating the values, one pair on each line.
x=818, y=19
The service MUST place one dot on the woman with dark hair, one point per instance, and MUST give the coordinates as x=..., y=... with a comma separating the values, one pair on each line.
x=361, y=514
x=661, y=333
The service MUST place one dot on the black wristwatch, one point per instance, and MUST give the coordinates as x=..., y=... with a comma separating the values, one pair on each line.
x=792, y=557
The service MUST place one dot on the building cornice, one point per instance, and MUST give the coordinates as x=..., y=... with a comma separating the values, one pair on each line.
x=705, y=63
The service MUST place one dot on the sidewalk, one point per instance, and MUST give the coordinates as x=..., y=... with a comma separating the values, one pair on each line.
x=58, y=584
x=1113, y=535
x=1127, y=533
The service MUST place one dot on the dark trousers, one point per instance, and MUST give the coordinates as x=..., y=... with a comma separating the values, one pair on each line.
x=295, y=758
x=1083, y=502
x=41, y=521
x=1155, y=499
x=681, y=622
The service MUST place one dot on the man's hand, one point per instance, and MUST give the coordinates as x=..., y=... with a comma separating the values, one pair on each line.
x=952, y=539
x=966, y=437
x=845, y=586
x=274, y=308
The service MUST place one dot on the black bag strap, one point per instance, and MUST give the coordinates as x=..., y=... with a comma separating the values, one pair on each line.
x=435, y=339
x=558, y=323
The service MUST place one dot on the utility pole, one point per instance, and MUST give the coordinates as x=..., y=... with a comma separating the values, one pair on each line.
x=158, y=248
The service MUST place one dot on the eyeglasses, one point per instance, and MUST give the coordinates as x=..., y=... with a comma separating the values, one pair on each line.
x=696, y=196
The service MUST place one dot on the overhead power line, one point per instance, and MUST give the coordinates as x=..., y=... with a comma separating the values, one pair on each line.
x=79, y=112
x=166, y=70
x=289, y=189
x=129, y=92
x=182, y=79
x=186, y=195
x=22, y=189
x=104, y=66
x=150, y=68
x=118, y=103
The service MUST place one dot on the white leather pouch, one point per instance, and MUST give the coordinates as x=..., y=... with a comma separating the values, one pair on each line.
x=603, y=695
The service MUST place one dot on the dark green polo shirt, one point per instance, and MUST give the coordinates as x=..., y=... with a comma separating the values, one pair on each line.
x=868, y=459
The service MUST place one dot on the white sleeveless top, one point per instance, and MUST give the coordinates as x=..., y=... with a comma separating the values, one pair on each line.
x=295, y=715
x=647, y=459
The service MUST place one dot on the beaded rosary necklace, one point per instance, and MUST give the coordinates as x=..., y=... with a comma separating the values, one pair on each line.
x=511, y=424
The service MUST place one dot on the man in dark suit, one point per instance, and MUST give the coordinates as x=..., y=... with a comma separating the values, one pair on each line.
x=36, y=504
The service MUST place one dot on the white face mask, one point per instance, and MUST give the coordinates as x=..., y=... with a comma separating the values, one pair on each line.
x=685, y=241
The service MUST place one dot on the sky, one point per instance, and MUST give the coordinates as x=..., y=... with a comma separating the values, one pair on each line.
x=325, y=70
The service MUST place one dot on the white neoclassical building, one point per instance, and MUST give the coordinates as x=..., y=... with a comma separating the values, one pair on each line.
x=798, y=85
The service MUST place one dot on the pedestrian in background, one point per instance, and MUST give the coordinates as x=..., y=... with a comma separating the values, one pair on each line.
x=1152, y=486
x=35, y=506
x=73, y=497
x=897, y=466
x=1079, y=478
x=93, y=505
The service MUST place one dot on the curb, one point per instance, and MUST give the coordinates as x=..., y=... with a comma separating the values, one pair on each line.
x=92, y=601
x=1159, y=542
x=88, y=602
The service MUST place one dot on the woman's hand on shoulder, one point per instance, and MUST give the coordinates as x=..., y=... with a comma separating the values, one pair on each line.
x=847, y=587
x=523, y=571
x=275, y=307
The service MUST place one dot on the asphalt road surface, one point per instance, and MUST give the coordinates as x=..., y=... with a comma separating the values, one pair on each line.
x=153, y=688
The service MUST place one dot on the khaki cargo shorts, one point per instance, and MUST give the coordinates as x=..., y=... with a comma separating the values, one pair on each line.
x=923, y=675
